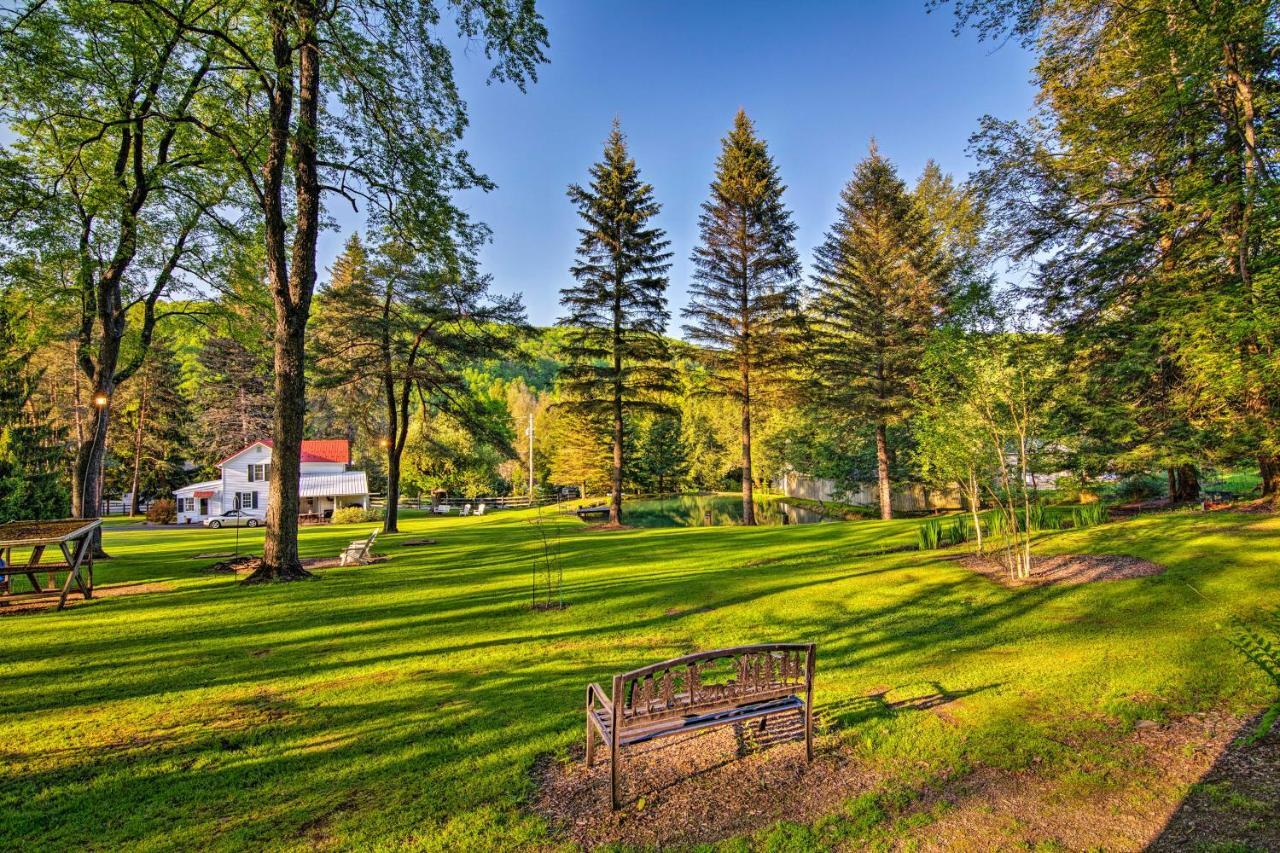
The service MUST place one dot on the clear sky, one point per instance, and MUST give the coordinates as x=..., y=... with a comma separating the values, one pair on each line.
x=818, y=78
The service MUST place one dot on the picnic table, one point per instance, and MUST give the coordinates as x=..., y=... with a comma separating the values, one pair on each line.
x=74, y=538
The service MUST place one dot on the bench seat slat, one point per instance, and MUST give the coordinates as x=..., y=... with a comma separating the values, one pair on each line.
x=671, y=726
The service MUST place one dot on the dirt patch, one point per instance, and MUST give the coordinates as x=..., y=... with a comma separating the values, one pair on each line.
x=1067, y=569
x=1153, y=796
x=698, y=788
x=1236, y=805
x=1172, y=786
x=248, y=565
x=49, y=600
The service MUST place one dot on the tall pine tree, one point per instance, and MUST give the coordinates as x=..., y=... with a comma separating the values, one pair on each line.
x=149, y=435
x=878, y=285
x=617, y=313
x=32, y=463
x=743, y=297
x=233, y=396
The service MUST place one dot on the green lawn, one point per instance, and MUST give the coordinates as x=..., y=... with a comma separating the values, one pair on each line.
x=404, y=704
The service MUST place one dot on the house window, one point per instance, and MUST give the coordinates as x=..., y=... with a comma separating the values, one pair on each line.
x=186, y=504
x=260, y=472
x=246, y=500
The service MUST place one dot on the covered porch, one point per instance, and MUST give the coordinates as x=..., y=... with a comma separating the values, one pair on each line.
x=320, y=494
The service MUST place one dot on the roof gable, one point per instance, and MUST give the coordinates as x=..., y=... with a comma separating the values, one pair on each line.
x=334, y=450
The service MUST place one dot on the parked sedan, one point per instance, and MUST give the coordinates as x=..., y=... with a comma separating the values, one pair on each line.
x=231, y=518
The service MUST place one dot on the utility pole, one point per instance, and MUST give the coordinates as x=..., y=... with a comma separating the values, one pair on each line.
x=529, y=432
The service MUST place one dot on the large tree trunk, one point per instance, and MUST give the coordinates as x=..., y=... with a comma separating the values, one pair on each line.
x=615, y=497
x=882, y=471
x=292, y=280
x=135, y=504
x=748, y=495
x=1269, y=469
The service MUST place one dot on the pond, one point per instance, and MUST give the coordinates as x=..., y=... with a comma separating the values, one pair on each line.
x=691, y=510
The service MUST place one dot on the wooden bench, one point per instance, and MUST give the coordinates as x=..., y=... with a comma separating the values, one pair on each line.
x=358, y=551
x=699, y=691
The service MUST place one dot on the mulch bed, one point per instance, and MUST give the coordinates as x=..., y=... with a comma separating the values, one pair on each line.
x=698, y=788
x=1066, y=569
x=730, y=782
x=249, y=564
x=49, y=601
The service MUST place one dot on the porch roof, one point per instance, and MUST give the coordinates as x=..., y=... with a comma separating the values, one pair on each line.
x=333, y=485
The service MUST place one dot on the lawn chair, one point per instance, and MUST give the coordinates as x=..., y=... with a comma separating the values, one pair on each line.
x=466, y=509
x=480, y=509
x=359, y=552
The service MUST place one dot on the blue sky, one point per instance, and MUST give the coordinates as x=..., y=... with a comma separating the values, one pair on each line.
x=818, y=78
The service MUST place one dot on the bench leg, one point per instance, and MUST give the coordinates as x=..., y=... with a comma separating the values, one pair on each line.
x=591, y=740
x=613, y=775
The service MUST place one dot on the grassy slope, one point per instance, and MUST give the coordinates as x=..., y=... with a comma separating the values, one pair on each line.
x=404, y=703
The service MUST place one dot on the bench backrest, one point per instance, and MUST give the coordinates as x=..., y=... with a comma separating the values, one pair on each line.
x=708, y=680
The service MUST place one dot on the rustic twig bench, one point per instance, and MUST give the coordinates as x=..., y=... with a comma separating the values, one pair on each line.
x=699, y=691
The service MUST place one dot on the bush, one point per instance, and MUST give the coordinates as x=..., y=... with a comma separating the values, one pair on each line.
x=162, y=511
x=355, y=515
x=929, y=535
x=1140, y=487
x=1088, y=515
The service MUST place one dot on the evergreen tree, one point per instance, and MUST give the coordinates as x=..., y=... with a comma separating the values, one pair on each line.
x=234, y=398
x=617, y=313
x=742, y=300
x=32, y=462
x=878, y=285
x=661, y=458
x=149, y=438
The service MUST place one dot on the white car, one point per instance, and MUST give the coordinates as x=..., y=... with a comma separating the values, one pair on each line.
x=231, y=518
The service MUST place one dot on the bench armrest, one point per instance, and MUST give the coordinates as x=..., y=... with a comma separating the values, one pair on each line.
x=595, y=693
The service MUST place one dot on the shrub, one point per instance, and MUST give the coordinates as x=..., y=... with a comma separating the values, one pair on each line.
x=162, y=511
x=929, y=534
x=1088, y=515
x=1139, y=487
x=355, y=515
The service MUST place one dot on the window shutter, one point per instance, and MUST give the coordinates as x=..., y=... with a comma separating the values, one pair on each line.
x=255, y=500
x=266, y=471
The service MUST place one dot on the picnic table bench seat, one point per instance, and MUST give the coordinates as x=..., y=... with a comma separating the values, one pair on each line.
x=700, y=691
x=73, y=538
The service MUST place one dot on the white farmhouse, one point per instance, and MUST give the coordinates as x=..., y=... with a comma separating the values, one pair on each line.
x=325, y=484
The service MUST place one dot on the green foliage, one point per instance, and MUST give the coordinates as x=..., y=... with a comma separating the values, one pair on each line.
x=1088, y=515
x=31, y=460
x=355, y=515
x=930, y=534
x=1261, y=646
x=616, y=315
x=745, y=269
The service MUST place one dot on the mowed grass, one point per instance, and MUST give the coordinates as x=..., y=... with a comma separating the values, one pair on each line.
x=404, y=704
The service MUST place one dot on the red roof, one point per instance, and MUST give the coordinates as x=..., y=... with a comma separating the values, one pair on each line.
x=313, y=450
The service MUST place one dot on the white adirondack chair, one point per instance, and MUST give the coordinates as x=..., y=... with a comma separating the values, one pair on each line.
x=480, y=509
x=358, y=552
x=466, y=509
